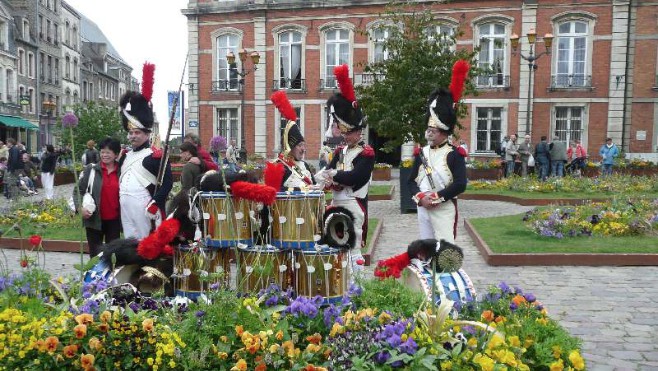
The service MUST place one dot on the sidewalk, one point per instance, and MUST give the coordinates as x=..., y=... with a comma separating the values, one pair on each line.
x=614, y=310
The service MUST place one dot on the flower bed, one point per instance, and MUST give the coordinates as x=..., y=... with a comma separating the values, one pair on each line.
x=60, y=324
x=381, y=172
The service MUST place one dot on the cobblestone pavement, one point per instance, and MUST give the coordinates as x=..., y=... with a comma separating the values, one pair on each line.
x=614, y=310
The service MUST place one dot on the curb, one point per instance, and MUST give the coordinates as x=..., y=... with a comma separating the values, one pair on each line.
x=496, y=259
x=388, y=196
x=529, y=201
x=48, y=245
x=367, y=256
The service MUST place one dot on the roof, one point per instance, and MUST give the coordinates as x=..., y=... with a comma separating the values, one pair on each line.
x=90, y=32
x=17, y=122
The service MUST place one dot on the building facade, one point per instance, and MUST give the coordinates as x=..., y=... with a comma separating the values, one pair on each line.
x=592, y=85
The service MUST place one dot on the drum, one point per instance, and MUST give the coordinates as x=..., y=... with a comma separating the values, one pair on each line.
x=196, y=268
x=455, y=286
x=323, y=272
x=297, y=219
x=259, y=267
x=226, y=220
x=103, y=272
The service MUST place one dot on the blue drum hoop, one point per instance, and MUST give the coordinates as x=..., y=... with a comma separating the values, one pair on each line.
x=324, y=251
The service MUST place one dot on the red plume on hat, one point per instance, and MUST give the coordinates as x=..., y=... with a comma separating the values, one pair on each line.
x=280, y=100
x=342, y=74
x=459, y=72
x=148, y=71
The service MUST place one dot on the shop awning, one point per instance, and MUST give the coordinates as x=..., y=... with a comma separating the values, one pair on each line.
x=17, y=122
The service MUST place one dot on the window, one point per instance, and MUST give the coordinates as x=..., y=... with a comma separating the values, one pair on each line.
x=67, y=71
x=492, y=54
x=282, y=127
x=21, y=62
x=290, y=59
x=227, y=124
x=489, y=123
x=337, y=52
x=227, y=76
x=85, y=96
x=379, y=36
x=443, y=33
x=569, y=123
x=74, y=38
x=75, y=69
x=30, y=92
x=26, y=29
x=30, y=64
x=571, y=54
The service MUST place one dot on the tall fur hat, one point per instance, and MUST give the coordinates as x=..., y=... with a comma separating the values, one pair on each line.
x=292, y=135
x=136, y=108
x=343, y=106
x=441, y=112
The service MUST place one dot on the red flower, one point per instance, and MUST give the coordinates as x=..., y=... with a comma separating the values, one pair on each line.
x=35, y=240
x=360, y=262
x=24, y=263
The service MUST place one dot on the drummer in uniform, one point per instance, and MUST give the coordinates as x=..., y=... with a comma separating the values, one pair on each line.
x=438, y=174
x=140, y=203
x=349, y=172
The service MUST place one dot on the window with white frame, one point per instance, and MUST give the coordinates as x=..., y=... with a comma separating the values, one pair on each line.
x=443, y=33
x=337, y=52
x=492, y=55
x=379, y=35
x=290, y=60
x=571, y=54
x=21, y=62
x=569, y=123
x=227, y=76
x=30, y=64
x=489, y=128
x=282, y=127
x=227, y=123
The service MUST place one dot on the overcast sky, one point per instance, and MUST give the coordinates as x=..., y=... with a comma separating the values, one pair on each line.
x=145, y=30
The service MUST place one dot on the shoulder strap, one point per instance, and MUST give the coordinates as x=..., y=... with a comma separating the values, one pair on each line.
x=92, y=175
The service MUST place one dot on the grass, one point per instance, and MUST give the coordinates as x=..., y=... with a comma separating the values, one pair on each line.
x=372, y=226
x=509, y=234
x=559, y=195
x=374, y=190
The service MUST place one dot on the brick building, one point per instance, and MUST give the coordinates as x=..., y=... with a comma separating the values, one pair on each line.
x=599, y=80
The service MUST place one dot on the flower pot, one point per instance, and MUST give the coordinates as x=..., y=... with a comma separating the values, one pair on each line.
x=591, y=172
x=381, y=173
x=484, y=174
x=64, y=177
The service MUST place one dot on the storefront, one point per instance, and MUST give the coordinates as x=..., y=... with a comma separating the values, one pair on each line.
x=19, y=129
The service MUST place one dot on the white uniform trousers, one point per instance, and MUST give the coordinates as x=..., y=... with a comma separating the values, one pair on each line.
x=134, y=221
x=438, y=222
x=48, y=181
x=359, y=218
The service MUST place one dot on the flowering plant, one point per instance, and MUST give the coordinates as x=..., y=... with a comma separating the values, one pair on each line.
x=487, y=164
x=217, y=143
x=381, y=165
x=408, y=162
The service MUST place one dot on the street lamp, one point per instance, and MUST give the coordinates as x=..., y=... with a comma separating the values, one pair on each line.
x=255, y=58
x=49, y=107
x=531, y=58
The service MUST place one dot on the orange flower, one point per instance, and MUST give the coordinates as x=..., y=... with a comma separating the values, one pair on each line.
x=70, y=350
x=80, y=331
x=241, y=365
x=239, y=330
x=315, y=338
x=51, y=343
x=84, y=319
x=87, y=360
x=106, y=316
x=94, y=343
x=518, y=300
x=261, y=367
x=103, y=327
x=40, y=345
x=500, y=319
x=279, y=335
x=147, y=325
x=488, y=315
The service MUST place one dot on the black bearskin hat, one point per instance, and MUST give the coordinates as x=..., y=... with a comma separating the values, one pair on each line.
x=440, y=111
x=136, y=112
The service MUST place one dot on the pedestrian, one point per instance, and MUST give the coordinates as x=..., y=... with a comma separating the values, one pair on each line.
x=202, y=154
x=14, y=165
x=4, y=150
x=542, y=159
x=141, y=204
x=191, y=171
x=525, y=151
x=91, y=155
x=231, y=156
x=48, y=167
x=438, y=174
x=324, y=156
x=511, y=155
x=608, y=152
x=558, y=152
x=103, y=224
x=28, y=175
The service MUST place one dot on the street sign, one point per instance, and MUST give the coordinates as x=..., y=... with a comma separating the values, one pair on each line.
x=25, y=100
x=193, y=124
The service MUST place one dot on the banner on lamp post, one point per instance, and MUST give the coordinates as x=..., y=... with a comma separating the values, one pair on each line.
x=176, y=127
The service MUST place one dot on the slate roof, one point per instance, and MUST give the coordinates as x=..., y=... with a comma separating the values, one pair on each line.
x=90, y=32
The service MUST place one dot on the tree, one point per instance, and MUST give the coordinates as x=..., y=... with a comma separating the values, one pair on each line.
x=420, y=59
x=95, y=122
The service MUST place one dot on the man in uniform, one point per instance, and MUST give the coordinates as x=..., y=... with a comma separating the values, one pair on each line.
x=438, y=175
x=349, y=172
x=141, y=203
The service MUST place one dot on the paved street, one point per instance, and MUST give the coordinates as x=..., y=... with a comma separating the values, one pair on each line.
x=614, y=310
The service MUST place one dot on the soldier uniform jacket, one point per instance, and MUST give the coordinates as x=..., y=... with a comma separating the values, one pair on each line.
x=448, y=171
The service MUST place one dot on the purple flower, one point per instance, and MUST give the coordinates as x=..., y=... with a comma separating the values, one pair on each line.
x=394, y=340
x=70, y=120
x=409, y=346
x=382, y=357
x=504, y=288
x=513, y=306
x=200, y=313
x=214, y=286
x=530, y=297
x=134, y=306
x=355, y=290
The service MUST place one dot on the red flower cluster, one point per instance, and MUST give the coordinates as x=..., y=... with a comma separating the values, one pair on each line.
x=392, y=266
x=35, y=240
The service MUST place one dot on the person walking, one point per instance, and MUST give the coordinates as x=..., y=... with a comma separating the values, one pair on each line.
x=91, y=155
x=231, y=156
x=103, y=224
x=511, y=155
x=558, y=151
x=608, y=152
x=48, y=167
x=525, y=151
x=542, y=159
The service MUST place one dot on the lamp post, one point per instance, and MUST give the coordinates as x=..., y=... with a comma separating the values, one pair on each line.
x=255, y=58
x=48, y=106
x=531, y=58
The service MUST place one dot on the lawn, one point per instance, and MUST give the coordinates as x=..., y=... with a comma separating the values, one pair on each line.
x=509, y=234
x=372, y=226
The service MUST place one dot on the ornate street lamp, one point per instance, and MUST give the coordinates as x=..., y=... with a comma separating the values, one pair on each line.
x=49, y=107
x=531, y=58
x=255, y=58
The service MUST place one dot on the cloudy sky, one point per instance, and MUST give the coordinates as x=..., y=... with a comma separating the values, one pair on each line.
x=145, y=30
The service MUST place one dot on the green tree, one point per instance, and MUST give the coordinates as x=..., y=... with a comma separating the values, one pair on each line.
x=95, y=121
x=420, y=59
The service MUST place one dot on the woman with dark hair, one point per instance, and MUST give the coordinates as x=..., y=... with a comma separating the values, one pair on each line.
x=104, y=223
x=48, y=165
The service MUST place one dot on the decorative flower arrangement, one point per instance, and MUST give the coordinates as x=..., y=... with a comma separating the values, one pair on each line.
x=408, y=162
x=41, y=328
x=615, y=219
x=495, y=163
x=217, y=144
x=615, y=184
x=381, y=165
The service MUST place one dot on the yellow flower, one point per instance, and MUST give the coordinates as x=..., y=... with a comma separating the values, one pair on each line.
x=557, y=351
x=384, y=318
x=486, y=363
x=279, y=335
x=241, y=365
x=80, y=331
x=557, y=365
x=514, y=341
x=274, y=348
x=87, y=360
x=84, y=319
x=147, y=325
x=336, y=329
x=94, y=343
x=239, y=330
x=576, y=360
x=172, y=364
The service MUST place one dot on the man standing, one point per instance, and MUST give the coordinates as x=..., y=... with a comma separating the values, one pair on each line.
x=231, y=158
x=14, y=166
x=525, y=150
x=542, y=159
x=438, y=175
x=511, y=154
x=141, y=204
x=350, y=170
x=202, y=154
x=558, y=151
x=608, y=153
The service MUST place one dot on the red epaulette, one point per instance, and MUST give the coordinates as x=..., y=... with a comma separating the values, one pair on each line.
x=157, y=153
x=462, y=151
x=338, y=150
x=368, y=151
x=417, y=151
